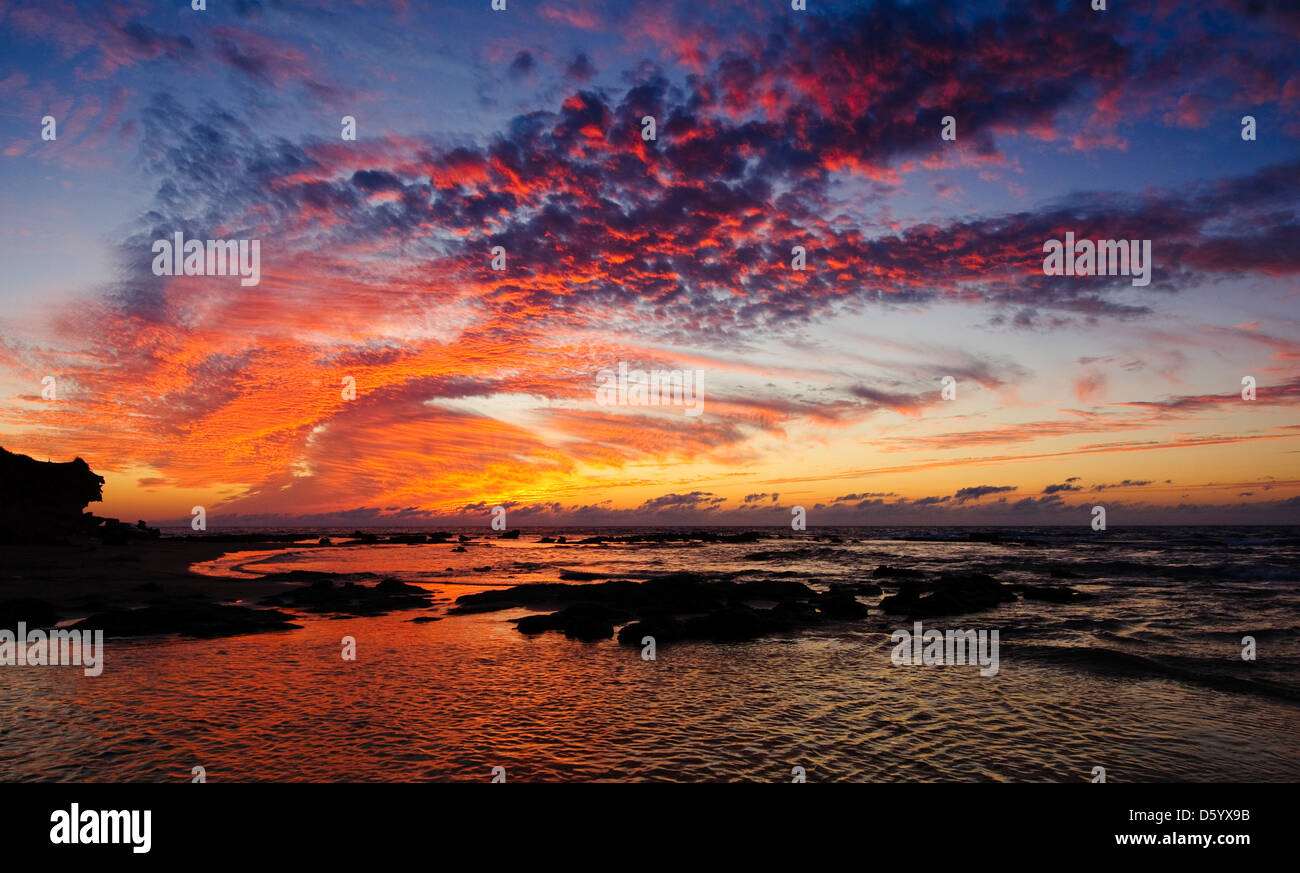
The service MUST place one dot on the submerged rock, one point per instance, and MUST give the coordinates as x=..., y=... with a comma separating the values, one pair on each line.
x=731, y=624
x=678, y=606
x=950, y=594
x=664, y=629
x=840, y=604
x=884, y=571
x=323, y=596
x=581, y=621
x=407, y=539
x=1053, y=593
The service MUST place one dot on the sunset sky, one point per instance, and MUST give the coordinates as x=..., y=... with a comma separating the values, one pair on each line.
x=775, y=128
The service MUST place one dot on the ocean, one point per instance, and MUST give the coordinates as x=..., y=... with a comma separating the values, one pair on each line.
x=1146, y=680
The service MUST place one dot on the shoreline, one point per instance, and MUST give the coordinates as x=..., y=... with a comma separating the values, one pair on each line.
x=85, y=577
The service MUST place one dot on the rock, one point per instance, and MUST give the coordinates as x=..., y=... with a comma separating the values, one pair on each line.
x=884, y=571
x=509, y=535
x=42, y=500
x=393, y=587
x=581, y=576
x=950, y=594
x=731, y=624
x=580, y=621
x=323, y=596
x=664, y=629
x=324, y=541
x=840, y=604
x=681, y=605
x=421, y=619
x=35, y=613
x=746, y=537
x=793, y=614
x=458, y=549
x=407, y=539
x=187, y=618
x=1053, y=593
x=116, y=533
x=861, y=589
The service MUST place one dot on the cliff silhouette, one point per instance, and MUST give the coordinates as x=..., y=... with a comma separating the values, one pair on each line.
x=44, y=500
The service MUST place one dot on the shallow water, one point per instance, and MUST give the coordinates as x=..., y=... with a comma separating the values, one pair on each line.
x=450, y=700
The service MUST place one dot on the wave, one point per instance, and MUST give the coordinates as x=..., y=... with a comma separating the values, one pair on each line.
x=1116, y=662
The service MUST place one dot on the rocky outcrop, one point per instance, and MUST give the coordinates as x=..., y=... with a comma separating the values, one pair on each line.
x=323, y=596
x=679, y=606
x=950, y=594
x=191, y=618
x=43, y=500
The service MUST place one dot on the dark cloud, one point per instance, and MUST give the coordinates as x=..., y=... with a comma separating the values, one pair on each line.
x=978, y=491
x=522, y=66
x=1127, y=483
x=581, y=69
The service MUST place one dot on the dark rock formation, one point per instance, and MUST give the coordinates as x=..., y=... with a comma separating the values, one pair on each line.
x=323, y=596
x=664, y=629
x=679, y=606
x=862, y=589
x=581, y=576
x=840, y=603
x=581, y=621
x=41, y=500
x=950, y=594
x=1052, y=593
x=884, y=571
x=35, y=613
x=187, y=618
x=407, y=539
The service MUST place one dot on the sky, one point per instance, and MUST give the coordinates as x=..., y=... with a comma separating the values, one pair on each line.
x=382, y=372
